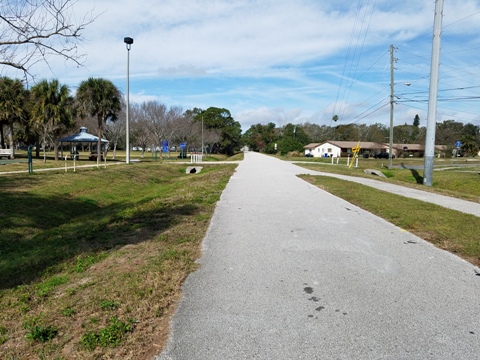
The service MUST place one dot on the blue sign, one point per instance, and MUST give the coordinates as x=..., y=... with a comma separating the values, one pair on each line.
x=458, y=144
x=165, y=146
x=183, y=145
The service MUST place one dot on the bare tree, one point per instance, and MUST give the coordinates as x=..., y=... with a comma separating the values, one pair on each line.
x=155, y=116
x=115, y=131
x=141, y=136
x=186, y=131
x=32, y=31
x=173, y=116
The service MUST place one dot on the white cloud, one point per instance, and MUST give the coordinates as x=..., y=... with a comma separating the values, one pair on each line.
x=265, y=115
x=274, y=60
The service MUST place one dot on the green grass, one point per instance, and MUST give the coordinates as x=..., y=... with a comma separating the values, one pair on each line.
x=109, y=336
x=84, y=253
x=460, y=182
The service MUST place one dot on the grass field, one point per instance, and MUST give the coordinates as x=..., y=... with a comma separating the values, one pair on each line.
x=91, y=262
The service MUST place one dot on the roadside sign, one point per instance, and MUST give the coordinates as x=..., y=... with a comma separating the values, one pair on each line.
x=165, y=146
x=182, y=145
x=458, y=144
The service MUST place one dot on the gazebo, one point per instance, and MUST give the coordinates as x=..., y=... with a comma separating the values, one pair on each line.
x=81, y=137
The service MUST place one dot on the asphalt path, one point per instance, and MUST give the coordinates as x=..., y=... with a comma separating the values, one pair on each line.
x=289, y=271
x=452, y=203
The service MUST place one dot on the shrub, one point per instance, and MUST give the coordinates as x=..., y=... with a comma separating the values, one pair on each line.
x=110, y=336
x=109, y=305
x=42, y=333
x=294, y=154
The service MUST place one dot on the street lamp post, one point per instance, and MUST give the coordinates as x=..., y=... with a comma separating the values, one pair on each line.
x=128, y=41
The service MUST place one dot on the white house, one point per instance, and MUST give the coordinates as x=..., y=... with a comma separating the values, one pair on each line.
x=342, y=148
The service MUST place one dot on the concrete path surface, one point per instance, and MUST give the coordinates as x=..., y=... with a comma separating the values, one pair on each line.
x=467, y=207
x=291, y=272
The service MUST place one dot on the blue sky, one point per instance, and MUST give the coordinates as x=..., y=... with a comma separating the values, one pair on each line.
x=284, y=61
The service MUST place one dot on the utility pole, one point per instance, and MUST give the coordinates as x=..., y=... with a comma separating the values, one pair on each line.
x=392, y=95
x=433, y=95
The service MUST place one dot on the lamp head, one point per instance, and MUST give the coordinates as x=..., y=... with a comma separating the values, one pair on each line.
x=128, y=40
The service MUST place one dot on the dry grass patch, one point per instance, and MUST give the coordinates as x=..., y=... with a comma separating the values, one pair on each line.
x=95, y=260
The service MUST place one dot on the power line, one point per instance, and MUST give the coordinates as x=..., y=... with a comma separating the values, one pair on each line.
x=355, y=59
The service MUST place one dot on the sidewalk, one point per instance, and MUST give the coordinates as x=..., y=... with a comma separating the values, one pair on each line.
x=291, y=272
x=467, y=207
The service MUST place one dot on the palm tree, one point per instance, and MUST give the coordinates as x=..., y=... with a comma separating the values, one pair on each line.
x=12, y=103
x=101, y=98
x=469, y=145
x=51, y=112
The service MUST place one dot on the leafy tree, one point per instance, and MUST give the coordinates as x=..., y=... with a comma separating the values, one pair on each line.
x=51, y=112
x=377, y=133
x=470, y=139
x=222, y=120
x=259, y=137
x=472, y=130
x=416, y=121
x=347, y=133
x=448, y=132
x=33, y=31
x=405, y=134
x=13, y=98
x=292, y=139
x=99, y=98
x=469, y=145
x=316, y=133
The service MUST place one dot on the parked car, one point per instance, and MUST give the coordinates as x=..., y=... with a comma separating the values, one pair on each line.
x=309, y=155
x=383, y=155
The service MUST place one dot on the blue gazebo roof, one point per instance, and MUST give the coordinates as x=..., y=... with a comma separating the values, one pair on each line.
x=82, y=136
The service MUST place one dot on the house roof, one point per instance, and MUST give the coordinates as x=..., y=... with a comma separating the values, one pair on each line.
x=312, y=146
x=366, y=145
x=348, y=145
x=82, y=136
x=363, y=144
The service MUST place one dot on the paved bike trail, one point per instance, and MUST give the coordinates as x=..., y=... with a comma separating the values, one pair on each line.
x=289, y=271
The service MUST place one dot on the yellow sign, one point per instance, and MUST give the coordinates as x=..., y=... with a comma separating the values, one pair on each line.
x=355, y=150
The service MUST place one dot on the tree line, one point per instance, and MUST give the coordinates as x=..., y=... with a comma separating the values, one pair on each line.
x=270, y=139
x=45, y=113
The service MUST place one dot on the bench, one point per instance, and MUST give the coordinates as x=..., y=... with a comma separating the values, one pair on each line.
x=6, y=153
